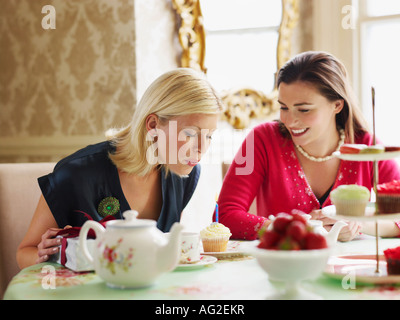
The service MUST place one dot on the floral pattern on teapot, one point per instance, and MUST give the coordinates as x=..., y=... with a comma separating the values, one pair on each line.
x=113, y=258
x=130, y=252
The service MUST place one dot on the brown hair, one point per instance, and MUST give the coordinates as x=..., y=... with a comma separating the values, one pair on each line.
x=329, y=76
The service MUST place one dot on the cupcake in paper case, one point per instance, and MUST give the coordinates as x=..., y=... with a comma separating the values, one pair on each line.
x=392, y=260
x=350, y=200
x=388, y=197
x=215, y=237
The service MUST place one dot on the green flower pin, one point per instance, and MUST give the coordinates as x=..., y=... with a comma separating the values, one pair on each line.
x=108, y=206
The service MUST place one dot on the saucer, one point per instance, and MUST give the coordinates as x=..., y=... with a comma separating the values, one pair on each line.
x=370, y=215
x=367, y=156
x=360, y=268
x=232, y=250
x=330, y=211
x=204, y=261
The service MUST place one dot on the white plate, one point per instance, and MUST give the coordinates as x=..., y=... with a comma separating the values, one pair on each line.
x=204, y=261
x=369, y=214
x=232, y=250
x=361, y=267
x=367, y=156
x=331, y=210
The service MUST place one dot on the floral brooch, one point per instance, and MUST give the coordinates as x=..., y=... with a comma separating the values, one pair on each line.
x=108, y=206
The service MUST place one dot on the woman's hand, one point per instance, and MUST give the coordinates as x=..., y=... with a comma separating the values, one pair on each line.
x=49, y=244
x=347, y=233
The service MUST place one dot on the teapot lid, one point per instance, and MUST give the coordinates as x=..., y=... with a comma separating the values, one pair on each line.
x=131, y=221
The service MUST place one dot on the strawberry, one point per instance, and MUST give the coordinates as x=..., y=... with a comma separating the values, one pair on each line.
x=299, y=216
x=315, y=241
x=269, y=239
x=290, y=232
x=296, y=230
x=281, y=222
x=288, y=244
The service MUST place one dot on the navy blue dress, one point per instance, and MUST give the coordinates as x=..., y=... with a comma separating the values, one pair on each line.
x=83, y=180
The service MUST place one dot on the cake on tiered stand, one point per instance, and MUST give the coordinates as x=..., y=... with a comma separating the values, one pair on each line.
x=374, y=153
x=372, y=213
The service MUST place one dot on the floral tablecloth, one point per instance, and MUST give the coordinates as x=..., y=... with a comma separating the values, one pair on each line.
x=238, y=278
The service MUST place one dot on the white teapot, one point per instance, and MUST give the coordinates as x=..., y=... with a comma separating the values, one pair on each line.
x=131, y=253
x=330, y=236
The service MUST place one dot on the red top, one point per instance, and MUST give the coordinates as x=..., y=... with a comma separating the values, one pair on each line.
x=392, y=187
x=266, y=166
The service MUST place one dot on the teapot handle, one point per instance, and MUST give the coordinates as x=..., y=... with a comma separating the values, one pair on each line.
x=97, y=228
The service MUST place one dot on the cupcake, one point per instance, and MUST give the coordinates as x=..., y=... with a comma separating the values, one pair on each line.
x=388, y=197
x=215, y=237
x=393, y=260
x=350, y=200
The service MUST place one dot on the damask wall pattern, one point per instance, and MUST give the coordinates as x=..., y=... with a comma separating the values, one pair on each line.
x=75, y=80
x=61, y=89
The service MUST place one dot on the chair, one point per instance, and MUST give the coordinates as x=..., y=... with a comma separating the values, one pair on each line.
x=19, y=195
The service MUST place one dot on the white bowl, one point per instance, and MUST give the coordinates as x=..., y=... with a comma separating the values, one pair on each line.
x=292, y=267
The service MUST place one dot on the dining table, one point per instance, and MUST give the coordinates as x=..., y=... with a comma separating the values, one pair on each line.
x=236, y=277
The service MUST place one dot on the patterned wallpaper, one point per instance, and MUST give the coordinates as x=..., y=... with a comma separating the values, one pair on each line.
x=61, y=88
x=77, y=79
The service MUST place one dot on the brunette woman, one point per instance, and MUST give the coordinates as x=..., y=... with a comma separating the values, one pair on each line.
x=289, y=164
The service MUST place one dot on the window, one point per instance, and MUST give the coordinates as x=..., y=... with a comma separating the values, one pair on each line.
x=380, y=65
x=241, y=41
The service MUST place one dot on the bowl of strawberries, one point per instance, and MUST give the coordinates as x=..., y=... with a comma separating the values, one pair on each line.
x=292, y=250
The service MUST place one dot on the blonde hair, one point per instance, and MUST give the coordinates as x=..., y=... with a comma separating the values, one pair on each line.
x=179, y=92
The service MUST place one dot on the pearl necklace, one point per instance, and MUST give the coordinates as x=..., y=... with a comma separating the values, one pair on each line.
x=312, y=158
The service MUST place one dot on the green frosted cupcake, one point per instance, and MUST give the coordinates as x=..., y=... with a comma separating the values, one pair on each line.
x=350, y=200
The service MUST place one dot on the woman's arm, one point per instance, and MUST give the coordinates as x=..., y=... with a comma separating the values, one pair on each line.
x=234, y=202
x=39, y=242
x=386, y=228
x=240, y=186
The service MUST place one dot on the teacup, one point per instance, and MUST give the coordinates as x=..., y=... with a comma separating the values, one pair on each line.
x=190, y=250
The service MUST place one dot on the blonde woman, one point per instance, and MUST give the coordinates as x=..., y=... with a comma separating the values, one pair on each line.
x=150, y=166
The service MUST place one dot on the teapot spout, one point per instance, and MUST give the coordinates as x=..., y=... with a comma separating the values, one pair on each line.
x=170, y=254
x=333, y=234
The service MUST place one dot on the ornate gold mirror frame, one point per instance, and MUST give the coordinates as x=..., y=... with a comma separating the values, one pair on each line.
x=244, y=104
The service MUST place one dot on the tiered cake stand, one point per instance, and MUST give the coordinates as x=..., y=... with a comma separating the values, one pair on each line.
x=372, y=215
